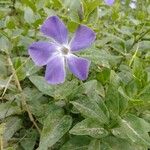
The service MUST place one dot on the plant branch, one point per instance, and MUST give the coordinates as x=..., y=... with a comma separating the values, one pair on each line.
x=24, y=104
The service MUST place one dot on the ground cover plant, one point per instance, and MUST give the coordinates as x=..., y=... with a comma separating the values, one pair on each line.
x=74, y=74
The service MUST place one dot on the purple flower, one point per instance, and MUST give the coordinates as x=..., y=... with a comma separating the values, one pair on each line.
x=59, y=54
x=109, y=2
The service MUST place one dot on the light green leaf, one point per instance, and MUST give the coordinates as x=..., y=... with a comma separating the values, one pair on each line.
x=28, y=15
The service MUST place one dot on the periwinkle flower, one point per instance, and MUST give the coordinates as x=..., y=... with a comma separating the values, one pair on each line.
x=60, y=54
x=109, y=2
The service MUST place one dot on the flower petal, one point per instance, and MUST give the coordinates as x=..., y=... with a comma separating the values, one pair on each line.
x=109, y=2
x=40, y=52
x=56, y=29
x=78, y=66
x=55, y=70
x=83, y=38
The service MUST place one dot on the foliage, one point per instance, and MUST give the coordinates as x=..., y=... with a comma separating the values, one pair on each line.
x=110, y=110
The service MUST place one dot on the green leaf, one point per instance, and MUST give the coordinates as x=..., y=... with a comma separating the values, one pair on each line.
x=144, y=93
x=104, y=75
x=57, y=91
x=5, y=44
x=10, y=148
x=8, y=108
x=3, y=68
x=91, y=87
x=20, y=73
x=93, y=90
x=29, y=140
x=4, y=84
x=10, y=22
x=146, y=115
x=94, y=17
x=24, y=67
x=57, y=3
x=143, y=45
x=76, y=143
x=28, y=15
x=114, y=101
x=41, y=111
x=114, y=143
x=12, y=124
x=90, y=109
x=138, y=70
x=134, y=128
x=55, y=126
x=30, y=4
x=95, y=144
x=90, y=6
x=73, y=7
x=89, y=127
x=100, y=57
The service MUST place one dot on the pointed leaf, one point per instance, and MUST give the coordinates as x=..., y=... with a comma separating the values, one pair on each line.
x=95, y=144
x=8, y=108
x=90, y=109
x=12, y=124
x=134, y=128
x=89, y=127
x=114, y=143
x=56, y=91
x=77, y=143
x=54, y=128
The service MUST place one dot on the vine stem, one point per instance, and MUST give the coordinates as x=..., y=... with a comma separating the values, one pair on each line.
x=24, y=104
x=10, y=78
x=133, y=57
x=1, y=143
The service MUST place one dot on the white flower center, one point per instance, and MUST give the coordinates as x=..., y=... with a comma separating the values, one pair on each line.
x=64, y=50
